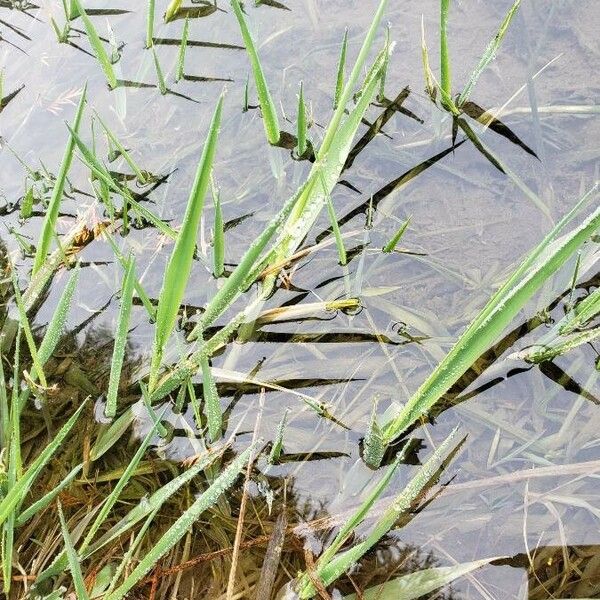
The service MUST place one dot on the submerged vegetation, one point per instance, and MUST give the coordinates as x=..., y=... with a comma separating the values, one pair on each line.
x=129, y=520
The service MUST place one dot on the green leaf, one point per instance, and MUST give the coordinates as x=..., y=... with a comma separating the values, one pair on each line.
x=182, y=48
x=341, y=72
x=267, y=105
x=97, y=46
x=180, y=264
x=391, y=245
x=80, y=590
x=118, y=355
x=301, y=126
x=212, y=403
x=421, y=583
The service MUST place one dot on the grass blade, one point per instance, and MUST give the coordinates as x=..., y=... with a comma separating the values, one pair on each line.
x=421, y=583
x=489, y=54
x=212, y=403
x=174, y=6
x=218, y=237
x=80, y=590
x=277, y=447
x=48, y=498
x=184, y=523
x=391, y=245
x=341, y=72
x=180, y=264
x=267, y=105
x=24, y=322
x=56, y=326
x=339, y=242
x=118, y=355
x=49, y=224
x=97, y=46
x=150, y=23
x=162, y=84
x=445, y=77
x=122, y=151
x=180, y=73
x=301, y=125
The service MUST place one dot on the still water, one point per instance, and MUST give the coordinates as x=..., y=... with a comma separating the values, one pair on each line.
x=525, y=483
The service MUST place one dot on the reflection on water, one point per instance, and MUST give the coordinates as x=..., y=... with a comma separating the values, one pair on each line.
x=524, y=484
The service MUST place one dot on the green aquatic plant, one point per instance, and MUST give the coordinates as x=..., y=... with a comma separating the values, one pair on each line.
x=218, y=236
x=267, y=106
x=542, y=262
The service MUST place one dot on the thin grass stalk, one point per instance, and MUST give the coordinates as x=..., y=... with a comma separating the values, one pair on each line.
x=246, y=104
x=267, y=106
x=218, y=237
x=221, y=484
x=381, y=94
x=139, y=290
x=277, y=447
x=180, y=264
x=341, y=72
x=150, y=23
x=116, y=365
x=180, y=73
x=48, y=498
x=97, y=46
x=446, y=82
x=162, y=84
x=51, y=216
x=301, y=124
x=489, y=54
x=490, y=323
x=24, y=322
